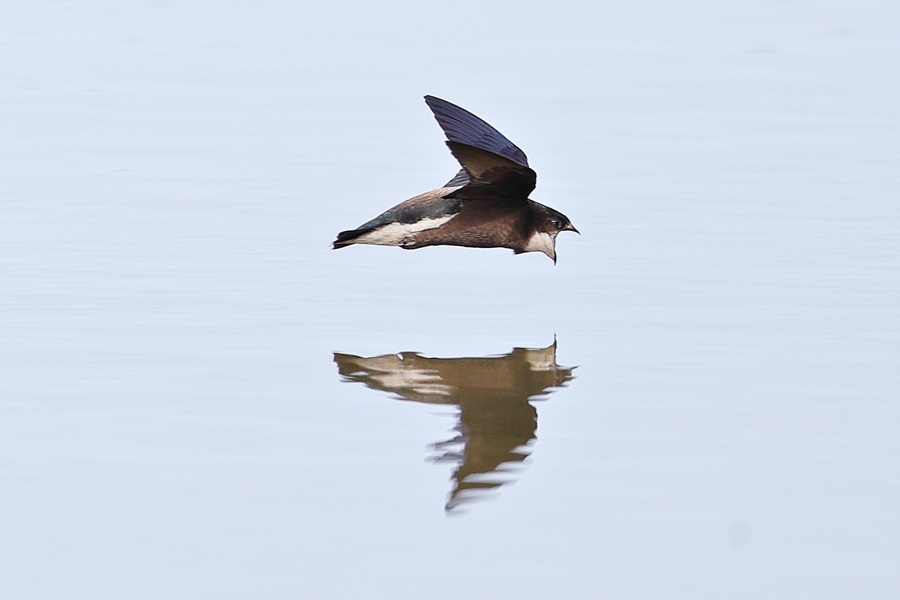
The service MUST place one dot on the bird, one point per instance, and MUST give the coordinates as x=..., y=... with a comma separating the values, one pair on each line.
x=485, y=205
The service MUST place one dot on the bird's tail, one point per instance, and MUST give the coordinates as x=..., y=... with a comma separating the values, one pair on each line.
x=347, y=238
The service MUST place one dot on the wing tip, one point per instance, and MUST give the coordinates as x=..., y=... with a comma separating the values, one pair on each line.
x=463, y=126
x=436, y=104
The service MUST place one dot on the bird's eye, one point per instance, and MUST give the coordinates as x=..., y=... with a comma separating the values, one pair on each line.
x=556, y=223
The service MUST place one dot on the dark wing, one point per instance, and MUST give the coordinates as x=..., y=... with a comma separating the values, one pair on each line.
x=501, y=176
x=461, y=178
x=463, y=127
x=489, y=159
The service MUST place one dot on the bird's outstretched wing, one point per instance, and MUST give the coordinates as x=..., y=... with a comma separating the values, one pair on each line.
x=463, y=127
x=490, y=172
x=487, y=157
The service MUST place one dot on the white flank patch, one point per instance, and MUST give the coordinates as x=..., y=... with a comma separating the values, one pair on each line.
x=394, y=234
x=542, y=242
x=419, y=381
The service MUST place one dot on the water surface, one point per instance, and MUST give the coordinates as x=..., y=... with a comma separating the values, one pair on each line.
x=175, y=332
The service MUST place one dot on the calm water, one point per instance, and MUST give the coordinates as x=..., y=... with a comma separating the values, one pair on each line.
x=200, y=399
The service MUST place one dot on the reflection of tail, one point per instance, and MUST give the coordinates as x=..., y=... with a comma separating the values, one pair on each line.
x=404, y=374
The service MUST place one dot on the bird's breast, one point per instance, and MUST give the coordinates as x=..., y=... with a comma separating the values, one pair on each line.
x=479, y=224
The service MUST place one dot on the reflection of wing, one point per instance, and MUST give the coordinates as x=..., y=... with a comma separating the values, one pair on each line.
x=497, y=422
x=488, y=444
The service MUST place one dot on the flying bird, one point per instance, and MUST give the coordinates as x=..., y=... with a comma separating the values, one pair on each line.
x=485, y=205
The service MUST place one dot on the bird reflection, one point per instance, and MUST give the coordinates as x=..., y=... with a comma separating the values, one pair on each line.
x=497, y=421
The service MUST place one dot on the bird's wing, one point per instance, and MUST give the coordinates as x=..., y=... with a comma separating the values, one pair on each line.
x=460, y=179
x=487, y=157
x=463, y=127
x=489, y=171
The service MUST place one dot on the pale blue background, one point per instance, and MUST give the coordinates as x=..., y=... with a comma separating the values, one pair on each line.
x=172, y=175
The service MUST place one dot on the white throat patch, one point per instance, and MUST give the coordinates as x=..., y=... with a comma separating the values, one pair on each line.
x=541, y=241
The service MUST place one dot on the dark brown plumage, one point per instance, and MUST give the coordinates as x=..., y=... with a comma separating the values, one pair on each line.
x=485, y=205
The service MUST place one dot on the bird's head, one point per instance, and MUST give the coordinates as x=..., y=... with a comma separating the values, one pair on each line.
x=546, y=225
